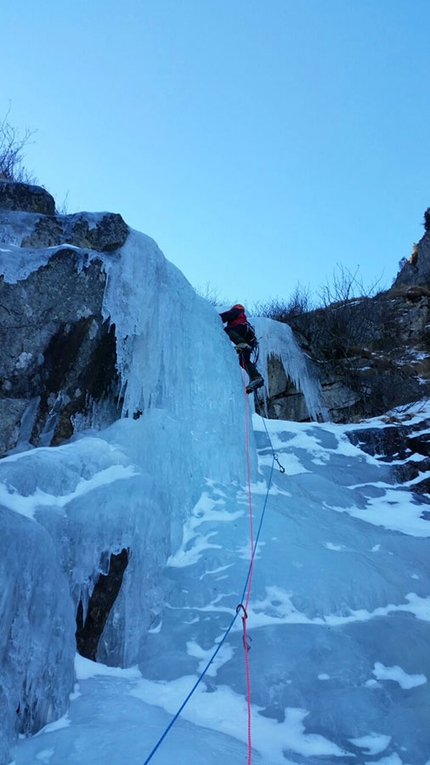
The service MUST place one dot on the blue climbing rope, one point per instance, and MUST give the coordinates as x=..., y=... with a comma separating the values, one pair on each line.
x=229, y=628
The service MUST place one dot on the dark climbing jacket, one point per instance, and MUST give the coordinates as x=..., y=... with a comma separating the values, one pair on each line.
x=236, y=319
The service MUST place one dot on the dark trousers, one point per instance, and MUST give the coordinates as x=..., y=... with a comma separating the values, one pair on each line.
x=245, y=355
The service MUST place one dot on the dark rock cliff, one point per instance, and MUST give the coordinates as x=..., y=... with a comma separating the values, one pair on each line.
x=370, y=354
x=416, y=269
x=58, y=351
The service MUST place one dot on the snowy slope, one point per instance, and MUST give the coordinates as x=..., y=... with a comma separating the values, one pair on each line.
x=339, y=617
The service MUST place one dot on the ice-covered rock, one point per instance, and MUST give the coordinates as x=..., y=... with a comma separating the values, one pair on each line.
x=58, y=359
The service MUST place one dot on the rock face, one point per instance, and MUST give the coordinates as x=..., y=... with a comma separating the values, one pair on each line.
x=416, y=270
x=370, y=355
x=404, y=443
x=58, y=351
x=22, y=196
x=284, y=401
x=89, y=631
x=108, y=235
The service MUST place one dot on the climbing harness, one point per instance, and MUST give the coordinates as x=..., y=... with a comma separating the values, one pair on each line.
x=255, y=353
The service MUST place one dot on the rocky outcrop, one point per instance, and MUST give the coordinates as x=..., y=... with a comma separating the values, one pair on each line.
x=416, y=269
x=105, y=592
x=108, y=235
x=407, y=444
x=24, y=197
x=370, y=355
x=58, y=351
x=284, y=401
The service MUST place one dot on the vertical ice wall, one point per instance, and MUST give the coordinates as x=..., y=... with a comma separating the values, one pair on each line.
x=37, y=629
x=173, y=355
x=129, y=487
x=135, y=484
x=182, y=382
x=277, y=339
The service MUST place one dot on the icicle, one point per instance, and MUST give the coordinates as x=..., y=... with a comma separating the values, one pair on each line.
x=27, y=422
x=277, y=339
x=48, y=431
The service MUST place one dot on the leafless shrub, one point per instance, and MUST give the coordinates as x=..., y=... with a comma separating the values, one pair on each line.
x=63, y=207
x=345, y=286
x=212, y=295
x=12, y=145
x=350, y=316
x=298, y=303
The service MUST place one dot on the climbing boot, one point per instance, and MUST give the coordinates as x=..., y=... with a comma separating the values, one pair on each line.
x=257, y=382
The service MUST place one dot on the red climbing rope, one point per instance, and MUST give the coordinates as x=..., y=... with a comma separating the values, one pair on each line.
x=240, y=608
x=246, y=644
x=248, y=691
x=248, y=469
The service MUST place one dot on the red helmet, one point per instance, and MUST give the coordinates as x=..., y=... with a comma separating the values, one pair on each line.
x=239, y=306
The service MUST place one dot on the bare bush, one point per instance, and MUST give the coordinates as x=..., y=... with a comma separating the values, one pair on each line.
x=346, y=286
x=348, y=318
x=212, y=295
x=63, y=207
x=12, y=145
x=342, y=330
x=298, y=303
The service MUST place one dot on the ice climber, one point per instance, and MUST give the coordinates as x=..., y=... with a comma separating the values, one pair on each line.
x=242, y=334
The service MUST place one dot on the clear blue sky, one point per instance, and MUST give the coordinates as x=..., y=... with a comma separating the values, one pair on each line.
x=259, y=142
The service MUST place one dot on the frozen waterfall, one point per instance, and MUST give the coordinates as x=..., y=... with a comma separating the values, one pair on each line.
x=339, y=609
